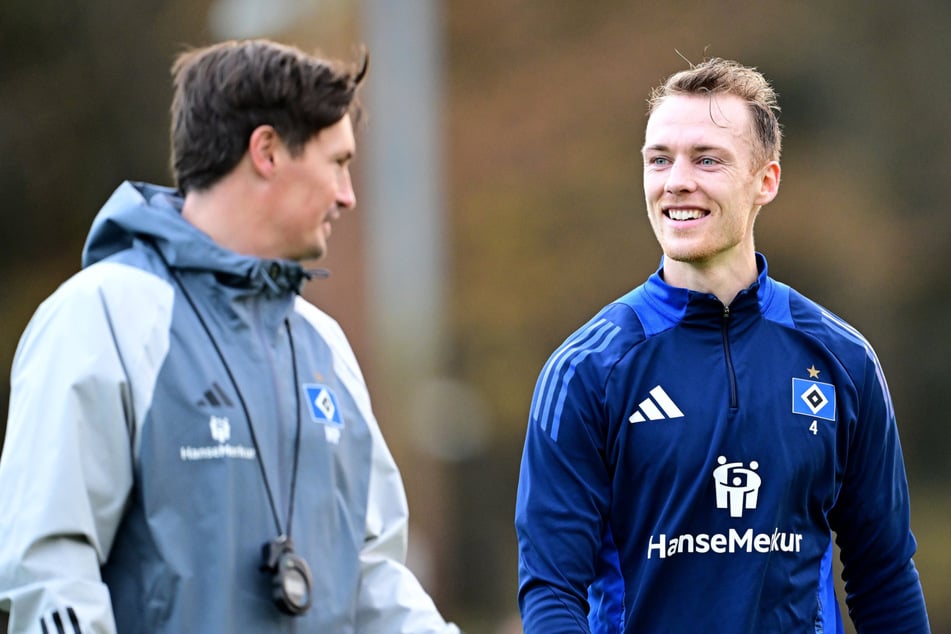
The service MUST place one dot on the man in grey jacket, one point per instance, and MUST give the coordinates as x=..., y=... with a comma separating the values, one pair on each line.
x=190, y=444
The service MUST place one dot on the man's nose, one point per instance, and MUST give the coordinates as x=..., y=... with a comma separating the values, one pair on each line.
x=680, y=177
x=346, y=197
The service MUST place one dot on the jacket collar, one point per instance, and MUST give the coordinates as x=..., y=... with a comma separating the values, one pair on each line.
x=673, y=305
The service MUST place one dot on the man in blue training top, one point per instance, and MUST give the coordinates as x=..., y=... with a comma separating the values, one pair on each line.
x=692, y=449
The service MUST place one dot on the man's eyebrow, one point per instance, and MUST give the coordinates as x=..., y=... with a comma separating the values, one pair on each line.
x=660, y=147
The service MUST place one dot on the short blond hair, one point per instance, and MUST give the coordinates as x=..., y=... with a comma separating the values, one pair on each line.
x=720, y=76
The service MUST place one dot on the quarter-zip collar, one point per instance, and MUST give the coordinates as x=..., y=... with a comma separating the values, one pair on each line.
x=675, y=305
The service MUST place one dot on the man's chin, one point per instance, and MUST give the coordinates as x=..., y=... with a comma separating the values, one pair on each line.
x=686, y=254
x=311, y=253
x=315, y=255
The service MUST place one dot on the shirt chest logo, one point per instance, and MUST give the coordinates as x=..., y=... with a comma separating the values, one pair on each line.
x=813, y=398
x=737, y=488
x=322, y=404
x=324, y=408
x=657, y=406
x=220, y=431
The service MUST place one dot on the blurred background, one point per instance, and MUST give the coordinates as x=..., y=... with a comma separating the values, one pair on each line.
x=500, y=206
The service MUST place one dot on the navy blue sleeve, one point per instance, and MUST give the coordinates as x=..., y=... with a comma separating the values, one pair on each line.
x=564, y=488
x=871, y=518
x=606, y=592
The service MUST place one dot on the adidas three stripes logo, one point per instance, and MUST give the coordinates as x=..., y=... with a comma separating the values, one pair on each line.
x=658, y=406
x=551, y=391
x=56, y=623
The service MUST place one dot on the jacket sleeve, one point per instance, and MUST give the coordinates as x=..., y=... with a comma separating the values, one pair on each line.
x=66, y=469
x=563, y=497
x=391, y=599
x=871, y=518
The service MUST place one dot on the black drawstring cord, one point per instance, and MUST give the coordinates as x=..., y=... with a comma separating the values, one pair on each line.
x=319, y=274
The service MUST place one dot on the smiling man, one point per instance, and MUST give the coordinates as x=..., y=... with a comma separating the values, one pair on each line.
x=693, y=450
x=191, y=446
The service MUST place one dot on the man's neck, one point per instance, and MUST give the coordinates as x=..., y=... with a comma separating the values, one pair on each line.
x=723, y=279
x=225, y=213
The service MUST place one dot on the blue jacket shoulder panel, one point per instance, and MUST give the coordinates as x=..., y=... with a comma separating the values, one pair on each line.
x=588, y=354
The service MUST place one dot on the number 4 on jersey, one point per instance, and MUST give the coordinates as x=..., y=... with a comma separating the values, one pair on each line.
x=814, y=427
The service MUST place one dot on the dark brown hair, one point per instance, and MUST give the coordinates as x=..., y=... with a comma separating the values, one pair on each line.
x=719, y=76
x=224, y=91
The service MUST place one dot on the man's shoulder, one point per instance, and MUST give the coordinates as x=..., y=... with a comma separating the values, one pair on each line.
x=835, y=332
x=110, y=281
x=100, y=306
x=609, y=334
x=316, y=317
x=326, y=327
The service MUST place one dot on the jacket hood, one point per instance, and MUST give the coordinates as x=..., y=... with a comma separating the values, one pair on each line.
x=151, y=213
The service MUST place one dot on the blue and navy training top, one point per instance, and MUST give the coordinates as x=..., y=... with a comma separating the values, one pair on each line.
x=686, y=465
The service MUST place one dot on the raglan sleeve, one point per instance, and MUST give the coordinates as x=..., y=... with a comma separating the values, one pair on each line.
x=391, y=600
x=391, y=597
x=871, y=518
x=66, y=468
x=563, y=495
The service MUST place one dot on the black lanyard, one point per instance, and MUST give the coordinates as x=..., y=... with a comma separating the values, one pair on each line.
x=291, y=580
x=247, y=413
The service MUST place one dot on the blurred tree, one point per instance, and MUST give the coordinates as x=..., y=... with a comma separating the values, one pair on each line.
x=85, y=91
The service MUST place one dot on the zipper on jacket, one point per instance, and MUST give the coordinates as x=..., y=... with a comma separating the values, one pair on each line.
x=731, y=374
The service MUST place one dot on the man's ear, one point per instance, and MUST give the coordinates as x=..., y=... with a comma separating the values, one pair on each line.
x=769, y=183
x=262, y=149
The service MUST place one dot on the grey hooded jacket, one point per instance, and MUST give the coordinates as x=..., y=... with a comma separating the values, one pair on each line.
x=152, y=395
